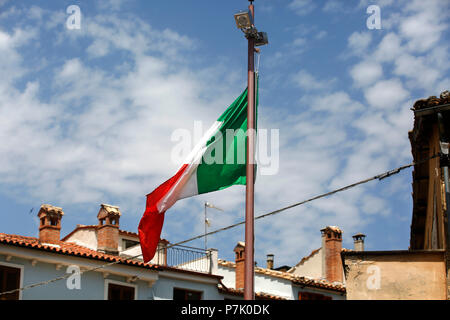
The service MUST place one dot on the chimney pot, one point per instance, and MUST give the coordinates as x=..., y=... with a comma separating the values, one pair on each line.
x=270, y=258
x=50, y=223
x=108, y=229
x=358, y=241
x=332, y=246
x=240, y=265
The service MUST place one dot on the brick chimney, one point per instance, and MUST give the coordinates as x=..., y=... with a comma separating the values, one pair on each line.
x=108, y=229
x=240, y=261
x=269, y=261
x=331, y=257
x=358, y=241
x=50, y=223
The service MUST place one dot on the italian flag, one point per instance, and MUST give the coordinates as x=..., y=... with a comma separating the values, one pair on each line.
x=217, y=162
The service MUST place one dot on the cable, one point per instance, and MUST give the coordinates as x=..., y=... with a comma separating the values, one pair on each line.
x=59, y=278
x=379, y=177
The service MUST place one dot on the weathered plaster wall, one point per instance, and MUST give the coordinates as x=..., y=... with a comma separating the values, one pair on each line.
x=84, y=237
x=392, y=276
x=312, y=267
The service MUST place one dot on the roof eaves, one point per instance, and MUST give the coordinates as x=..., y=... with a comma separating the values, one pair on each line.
x=72, y=250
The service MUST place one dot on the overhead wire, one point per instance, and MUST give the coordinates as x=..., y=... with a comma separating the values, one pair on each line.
x=379, y=177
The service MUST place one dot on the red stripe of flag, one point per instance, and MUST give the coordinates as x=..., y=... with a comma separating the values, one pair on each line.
x=152, y=221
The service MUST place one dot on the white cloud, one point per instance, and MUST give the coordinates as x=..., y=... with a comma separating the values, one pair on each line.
x=98, y=48
x=338, y=7
x=35, y=13
x=11, y=61
x=389, y=48
x=106, y=135
x=381, y=3
x=95, y=136
x=417, y=70
x=299, y=42
x=308, y=82
x=374, y=205
x=333, y=102
x=5, y=40
x=302, y=7
x=333, y=6
x=443, y=85
x=110, y=5
x=421, y=31
x=416, y=49
x=70, y=70
x=322, y=34
x=366, y=72
x=359, y=42
x=386, y=94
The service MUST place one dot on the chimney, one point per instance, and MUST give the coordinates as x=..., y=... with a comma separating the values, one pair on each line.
x=50, y=223
x=240, y=262
x=270, y=261
x=108, y=229
x=332, y=246
x=358, y=241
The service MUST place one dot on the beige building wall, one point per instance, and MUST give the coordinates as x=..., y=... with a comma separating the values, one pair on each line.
x=84, y=237
x=396, y=275
x=312, y=267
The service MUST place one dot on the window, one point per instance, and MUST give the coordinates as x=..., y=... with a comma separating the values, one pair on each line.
x=53, y=221
x=9, y=280
x=129, y=243
x=312, y=296
x=120, y=292
x=183, y=294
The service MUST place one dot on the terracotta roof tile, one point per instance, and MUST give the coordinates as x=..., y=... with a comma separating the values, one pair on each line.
x=317, y=283
x=121, y=232
x=69, y=249
x=258, y=295
x=333, y=228
x=73, y=249
x=52, y=209
x=81, y=227
x=432, y=101
x=111, y=209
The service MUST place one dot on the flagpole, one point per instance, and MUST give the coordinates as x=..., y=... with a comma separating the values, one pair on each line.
x=206, y=246
x=249, y=264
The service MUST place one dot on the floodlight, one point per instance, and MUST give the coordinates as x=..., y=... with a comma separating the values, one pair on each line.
x=243, y=19
x=261, y=39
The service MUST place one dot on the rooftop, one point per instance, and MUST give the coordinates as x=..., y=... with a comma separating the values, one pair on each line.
x=305, y=281
x=258, y=295
x=432, y=101
x=71, y=249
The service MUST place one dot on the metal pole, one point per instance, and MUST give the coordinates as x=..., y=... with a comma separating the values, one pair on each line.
x=249, y=264
x=206, y=246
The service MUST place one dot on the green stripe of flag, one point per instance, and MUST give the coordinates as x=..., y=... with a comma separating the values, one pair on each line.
x=231, y=170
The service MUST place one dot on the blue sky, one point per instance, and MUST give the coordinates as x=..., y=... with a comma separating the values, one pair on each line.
x=86, y=116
